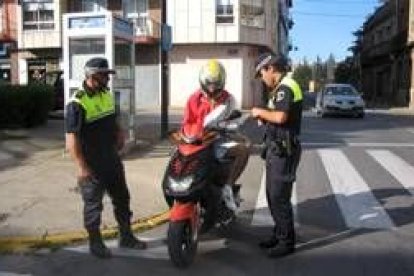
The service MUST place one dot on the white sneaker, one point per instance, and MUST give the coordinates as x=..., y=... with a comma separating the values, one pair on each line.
x=228, y=197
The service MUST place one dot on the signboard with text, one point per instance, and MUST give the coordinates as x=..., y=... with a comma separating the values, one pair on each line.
x=166, y=38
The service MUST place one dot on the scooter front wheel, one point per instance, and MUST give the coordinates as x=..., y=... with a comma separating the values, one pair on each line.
x=182, y=244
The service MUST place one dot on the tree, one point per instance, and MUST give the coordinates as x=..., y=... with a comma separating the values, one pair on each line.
x=303, y=75
x=346, y=72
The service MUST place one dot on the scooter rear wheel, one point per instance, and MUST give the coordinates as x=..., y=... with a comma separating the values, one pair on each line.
x=182, y=245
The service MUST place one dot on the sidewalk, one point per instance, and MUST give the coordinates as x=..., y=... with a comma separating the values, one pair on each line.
x=38, y=179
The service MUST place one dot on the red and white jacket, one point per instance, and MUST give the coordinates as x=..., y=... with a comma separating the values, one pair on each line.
x=201, y=113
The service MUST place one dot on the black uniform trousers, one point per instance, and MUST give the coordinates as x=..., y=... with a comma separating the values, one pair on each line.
x=280, y=175
x=93, y=189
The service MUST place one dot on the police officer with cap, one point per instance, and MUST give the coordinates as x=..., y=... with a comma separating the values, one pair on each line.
x=282, y=118
x=93, y=138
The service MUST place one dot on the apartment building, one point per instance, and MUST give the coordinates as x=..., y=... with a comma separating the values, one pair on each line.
x=386, y=55
x=232, y=31
x=38, y=32
x=146, y=15
x=8, y=38
x=411, y=49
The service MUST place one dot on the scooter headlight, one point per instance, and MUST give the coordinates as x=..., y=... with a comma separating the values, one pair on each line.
x=181, y=184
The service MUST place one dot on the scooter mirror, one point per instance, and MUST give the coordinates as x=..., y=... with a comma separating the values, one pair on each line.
x=234, y=115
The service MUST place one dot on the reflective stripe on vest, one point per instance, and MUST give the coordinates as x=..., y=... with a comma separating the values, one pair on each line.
x=96, y=107
x=292, y=84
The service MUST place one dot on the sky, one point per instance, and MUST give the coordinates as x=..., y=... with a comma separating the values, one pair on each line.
x=322, y=27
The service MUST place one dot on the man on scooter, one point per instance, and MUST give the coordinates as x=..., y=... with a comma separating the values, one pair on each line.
x=205, y=108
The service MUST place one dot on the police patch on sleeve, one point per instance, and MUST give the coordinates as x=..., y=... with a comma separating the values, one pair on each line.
x=280, y=96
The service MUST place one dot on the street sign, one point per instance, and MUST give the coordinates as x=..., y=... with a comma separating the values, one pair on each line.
x=166, y=38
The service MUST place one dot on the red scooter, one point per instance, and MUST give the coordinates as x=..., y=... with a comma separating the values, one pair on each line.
x=192, y=188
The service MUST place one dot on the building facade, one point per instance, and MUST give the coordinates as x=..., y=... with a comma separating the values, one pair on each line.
x=37, y=36
x=8, y=39
x=146, y=15
x=233, y=31
x=411, y=49
x=385, y=56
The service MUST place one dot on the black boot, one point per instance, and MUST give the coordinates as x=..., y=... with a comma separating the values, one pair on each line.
x=128, y=240
x=97, y=246
x=281, y=249
x=271, y=242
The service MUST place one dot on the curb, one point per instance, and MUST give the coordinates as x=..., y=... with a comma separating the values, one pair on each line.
x=54, y=241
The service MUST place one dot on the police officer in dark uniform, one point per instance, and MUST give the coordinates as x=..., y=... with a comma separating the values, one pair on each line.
x=93, y=138
x=282, y=119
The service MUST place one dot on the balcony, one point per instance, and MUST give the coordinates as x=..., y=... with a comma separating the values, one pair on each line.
x=147, y=30
x=394, y=44
x=37, y=39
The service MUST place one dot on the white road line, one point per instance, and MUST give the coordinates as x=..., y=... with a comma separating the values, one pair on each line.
x=396, y=166
x=262, y=216
x=152, y=252
x=12, y=274
x=411, y=130
x=358, y=205
x=367, y=144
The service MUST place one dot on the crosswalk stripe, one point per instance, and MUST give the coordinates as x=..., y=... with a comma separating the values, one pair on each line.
x=12, y=274
x=396, y=166
x=262, y=216
x=158, y=252
x=358, y=205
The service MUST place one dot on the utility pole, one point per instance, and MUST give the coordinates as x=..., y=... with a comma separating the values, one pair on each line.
x=164, y=73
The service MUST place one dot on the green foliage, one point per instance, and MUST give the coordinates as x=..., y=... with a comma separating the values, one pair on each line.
x=25, y=105
x=347, y=72
x=303, y=75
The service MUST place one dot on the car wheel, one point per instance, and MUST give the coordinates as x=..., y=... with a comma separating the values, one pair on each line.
x=320, y=113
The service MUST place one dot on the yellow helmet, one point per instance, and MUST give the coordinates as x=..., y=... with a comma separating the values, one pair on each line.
x=212, y=77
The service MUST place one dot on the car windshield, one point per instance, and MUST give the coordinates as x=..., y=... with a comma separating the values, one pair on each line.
x=340, y=91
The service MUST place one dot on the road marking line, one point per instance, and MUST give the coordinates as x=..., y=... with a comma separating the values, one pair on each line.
x=391, y=145
x=396, y=166
x=262, y=216
x=13, y=274
x=357, y=203
x=411, y=130
x=152, y=252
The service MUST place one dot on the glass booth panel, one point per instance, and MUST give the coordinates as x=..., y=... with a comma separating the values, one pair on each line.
x=80, y=51
x=123, y=106
x=123, y=59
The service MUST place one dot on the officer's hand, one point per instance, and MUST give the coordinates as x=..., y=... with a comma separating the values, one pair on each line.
x=84, y=173
x=256, y=112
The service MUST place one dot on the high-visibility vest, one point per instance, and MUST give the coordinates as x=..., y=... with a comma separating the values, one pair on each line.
x=96, y=106
x=293, y=85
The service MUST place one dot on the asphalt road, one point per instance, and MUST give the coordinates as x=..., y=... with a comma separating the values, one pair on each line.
x=353, y=202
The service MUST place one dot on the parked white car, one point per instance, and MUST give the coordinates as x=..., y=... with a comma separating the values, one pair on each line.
x=340, y=98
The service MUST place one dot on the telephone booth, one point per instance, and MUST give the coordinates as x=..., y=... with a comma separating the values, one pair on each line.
x=102, y=34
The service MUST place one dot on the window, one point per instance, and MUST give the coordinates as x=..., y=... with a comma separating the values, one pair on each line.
x=123, y=62
x=93, y=5
x=341, y=91
x=224, y=11
x=252, y=13
x=38, y=15
x=136, y=8
x=1, y=15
